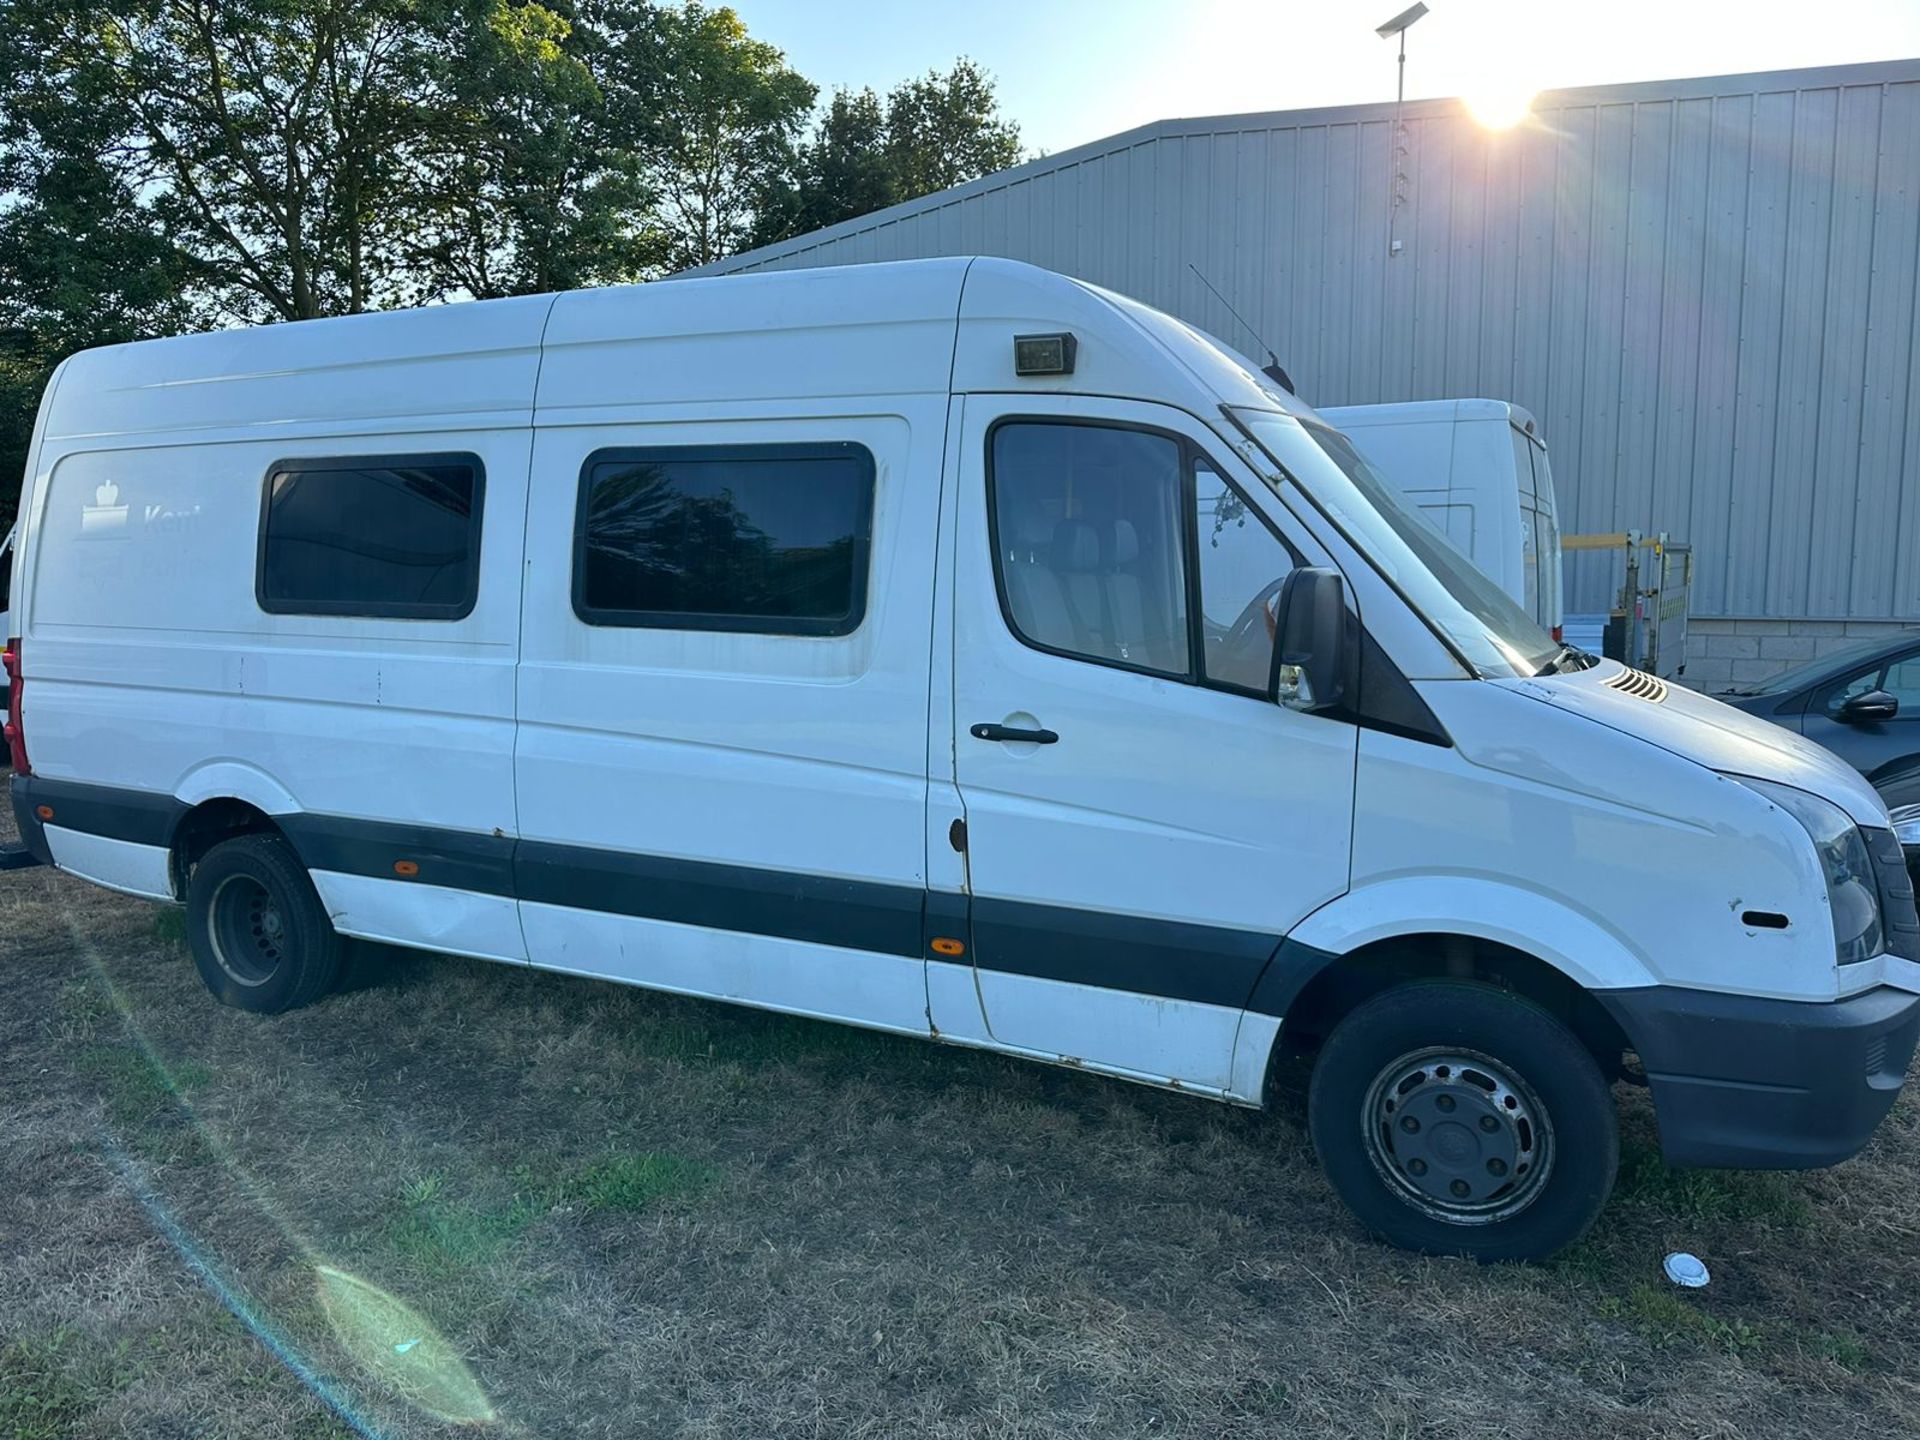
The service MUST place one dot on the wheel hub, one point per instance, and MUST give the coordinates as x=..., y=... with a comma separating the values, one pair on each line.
x=247, y=930
x=1457, y=1135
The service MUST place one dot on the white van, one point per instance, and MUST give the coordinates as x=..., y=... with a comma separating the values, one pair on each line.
x=1478, y=470
x=896, y=644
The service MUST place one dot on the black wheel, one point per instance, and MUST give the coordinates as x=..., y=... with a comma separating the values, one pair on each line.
x=1457, y=1119
x=260, y=937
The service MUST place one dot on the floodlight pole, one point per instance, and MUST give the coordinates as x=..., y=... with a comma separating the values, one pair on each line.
x=1397, y=28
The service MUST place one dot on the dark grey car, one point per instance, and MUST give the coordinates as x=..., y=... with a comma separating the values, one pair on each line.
x=1862, y=703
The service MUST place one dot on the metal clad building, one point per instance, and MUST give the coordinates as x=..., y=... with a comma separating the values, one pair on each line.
x=1705, y=290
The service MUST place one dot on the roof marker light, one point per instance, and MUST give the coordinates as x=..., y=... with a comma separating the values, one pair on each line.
x=1044, y=354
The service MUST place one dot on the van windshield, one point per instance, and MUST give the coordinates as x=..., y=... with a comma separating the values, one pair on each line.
x=1480, y=621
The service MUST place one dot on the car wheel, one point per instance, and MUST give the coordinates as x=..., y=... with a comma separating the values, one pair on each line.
x=1458, y=1119
x=260, y=937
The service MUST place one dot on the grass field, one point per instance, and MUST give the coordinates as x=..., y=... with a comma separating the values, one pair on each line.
x=462, y=1194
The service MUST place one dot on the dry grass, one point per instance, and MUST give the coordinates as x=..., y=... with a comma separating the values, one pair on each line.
x=639, y=1216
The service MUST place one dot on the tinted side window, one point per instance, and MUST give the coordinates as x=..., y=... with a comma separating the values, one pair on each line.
x=393, y=536
x=1088, y=548
x=765, y=539
x=1902, y=682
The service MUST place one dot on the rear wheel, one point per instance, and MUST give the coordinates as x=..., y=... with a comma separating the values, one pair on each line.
x=1457, y=1119
x=260, y=937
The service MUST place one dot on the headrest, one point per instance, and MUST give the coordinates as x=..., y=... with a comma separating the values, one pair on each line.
x=1126, y=543
x=1076, y=546
x=1031, y=531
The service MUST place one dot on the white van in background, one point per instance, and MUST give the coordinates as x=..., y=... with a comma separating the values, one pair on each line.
x=1478, y=469
x=950, y=648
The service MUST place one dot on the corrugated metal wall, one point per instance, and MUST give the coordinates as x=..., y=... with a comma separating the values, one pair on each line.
x=1704, y=289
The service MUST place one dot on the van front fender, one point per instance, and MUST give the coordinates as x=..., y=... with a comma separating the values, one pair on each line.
x=1574, y=943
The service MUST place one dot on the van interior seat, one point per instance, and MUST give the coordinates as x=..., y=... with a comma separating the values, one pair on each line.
x=1140, y=641
x=1035, y=593
x=1076, y=555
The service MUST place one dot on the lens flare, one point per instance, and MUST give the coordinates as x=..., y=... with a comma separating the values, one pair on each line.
x=1500, y=109
x=401, y=1349
x=394, y=1344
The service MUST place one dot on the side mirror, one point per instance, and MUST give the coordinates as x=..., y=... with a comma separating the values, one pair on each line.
x=1309, y=670
x=1872, y=705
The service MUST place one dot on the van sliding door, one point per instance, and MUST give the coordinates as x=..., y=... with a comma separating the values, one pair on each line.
x=721, y=766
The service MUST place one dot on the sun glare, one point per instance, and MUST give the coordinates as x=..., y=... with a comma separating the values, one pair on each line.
x=1499, y=109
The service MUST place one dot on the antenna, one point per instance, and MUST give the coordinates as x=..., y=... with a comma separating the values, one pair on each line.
x=1272, y=369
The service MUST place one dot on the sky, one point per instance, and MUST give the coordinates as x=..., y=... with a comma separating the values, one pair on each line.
x=1070, y=71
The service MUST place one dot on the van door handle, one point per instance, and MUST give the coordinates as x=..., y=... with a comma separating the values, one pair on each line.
x=1010, y=732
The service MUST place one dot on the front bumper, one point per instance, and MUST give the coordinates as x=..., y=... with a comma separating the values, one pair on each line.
x=1754, y=1084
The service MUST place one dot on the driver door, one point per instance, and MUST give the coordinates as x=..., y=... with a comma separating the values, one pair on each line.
x=1142, y=825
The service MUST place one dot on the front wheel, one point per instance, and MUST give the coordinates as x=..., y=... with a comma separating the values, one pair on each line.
x=1457, y=1119
x=260, y=937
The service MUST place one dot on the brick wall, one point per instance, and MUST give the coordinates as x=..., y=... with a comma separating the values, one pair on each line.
x=1721, y=653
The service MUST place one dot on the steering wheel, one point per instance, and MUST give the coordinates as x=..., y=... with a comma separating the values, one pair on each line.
x=1263, y=611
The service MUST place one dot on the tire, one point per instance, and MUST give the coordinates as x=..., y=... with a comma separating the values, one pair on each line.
x=1438, y=1085
x=260, y=937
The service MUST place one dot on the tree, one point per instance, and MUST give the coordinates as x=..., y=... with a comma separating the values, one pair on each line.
x=79, y=266
x=82, y=261
x=943, y=130
x=930, y=133
x=726, y=124
x=842, y=172
x=278, y=137
x=543, y=184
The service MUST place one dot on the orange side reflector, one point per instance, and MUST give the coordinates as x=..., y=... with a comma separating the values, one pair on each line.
x=45, y=812
x=944, y=946
x=406, y=869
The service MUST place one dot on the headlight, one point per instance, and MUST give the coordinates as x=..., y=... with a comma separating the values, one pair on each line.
x=1852, y=892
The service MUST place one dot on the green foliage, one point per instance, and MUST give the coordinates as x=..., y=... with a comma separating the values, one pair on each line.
x=727, y=126
x=1664, y=1319
x=626, y=1182
x=170, y=926
x=169, y=165
x=444, y=1232
x=928, y=134
x=135, y=1084
x=50, y=1383
x=1711, y=1196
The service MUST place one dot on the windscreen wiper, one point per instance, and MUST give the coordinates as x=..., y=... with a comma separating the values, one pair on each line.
x=1568, y=659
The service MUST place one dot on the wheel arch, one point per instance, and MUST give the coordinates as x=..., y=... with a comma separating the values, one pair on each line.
x=1439, y=927
x=204, y=826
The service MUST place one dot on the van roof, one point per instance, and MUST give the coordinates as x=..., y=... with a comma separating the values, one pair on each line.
x=900, y=327
x=1408, y=412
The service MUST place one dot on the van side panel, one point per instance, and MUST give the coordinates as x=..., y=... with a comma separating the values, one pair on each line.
x=150, y=660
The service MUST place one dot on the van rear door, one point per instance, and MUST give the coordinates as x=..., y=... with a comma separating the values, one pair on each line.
x=1540, y=529
x=1142, y=824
